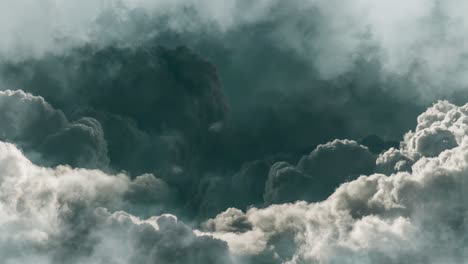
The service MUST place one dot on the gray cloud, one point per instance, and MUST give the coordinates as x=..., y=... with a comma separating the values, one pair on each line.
x=47, y=136
x=163, y=110
x=406, y=217
x=319, y=173
x=320, y=162
x=162, y=101
x=423, y=39
x=295, y=73
x=416, y=215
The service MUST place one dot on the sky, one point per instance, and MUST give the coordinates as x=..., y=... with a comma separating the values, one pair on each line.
x=236, y=131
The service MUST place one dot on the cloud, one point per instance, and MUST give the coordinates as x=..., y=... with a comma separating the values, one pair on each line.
x=150, y=109
x=161, y=239
x=248, y=184
x=441, y=127
x=231, y=220
x=317, y=174
x=47, y=136
x=164, y=110
x=414, y=212
x=320, y=162
x=103, y=94
x=417, y=216
x=423, y=40
x=65, y=215
x=274, y=179
x=286, y=183
x=161, y=100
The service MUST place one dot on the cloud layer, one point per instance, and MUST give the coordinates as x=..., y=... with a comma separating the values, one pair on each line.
x=244, y=132
x=47, y=135
x=417, y=216
x=423, y=40
x=65, y=215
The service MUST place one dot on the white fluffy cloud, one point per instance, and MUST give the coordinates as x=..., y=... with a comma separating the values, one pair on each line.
x=419, y=216
x=441, y=127
x=65, y=215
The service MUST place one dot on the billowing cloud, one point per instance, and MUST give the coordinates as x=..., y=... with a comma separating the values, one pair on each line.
x=405, y=217
x=122, y=123
x=322, y=159
x=65, y=215
x=47, y=136
x=275, y=180
x=415, y=212
x=319, y=173
x=439, y=128
x=163, y=102
x=164, y=110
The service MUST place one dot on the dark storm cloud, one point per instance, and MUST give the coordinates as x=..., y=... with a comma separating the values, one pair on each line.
x=47, y=136
x=405, y=217
x=286, y=184
x=274, y=180
x=122, y=94
x=65, y=215
x=322, y=159
x=156, y=109
x=163, y=102
x=423, y=39
x=317, y=175
x=164, y=110
x=279, y=103
x=248, y=184
x=291, y=84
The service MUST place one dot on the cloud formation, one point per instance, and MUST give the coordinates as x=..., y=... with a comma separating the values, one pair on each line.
x=406, y=217
x=413, y=213
x=162, y=101
x=47, y=136
x=65, y=215
x=423, y=40
x=318, y=174
x=123, y=123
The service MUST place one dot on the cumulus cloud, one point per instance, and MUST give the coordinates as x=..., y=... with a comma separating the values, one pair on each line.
x=107, y=94
x=441, y=127
x=65, y=215
x=321, y=160
x=415, y=212
x=164, y=110
x=47, y=136
x=405, y=217
x=275, y=179
x=160, y=100
x=286, y=183
x=318, y=174
x=248, y=184
x=149, y=109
